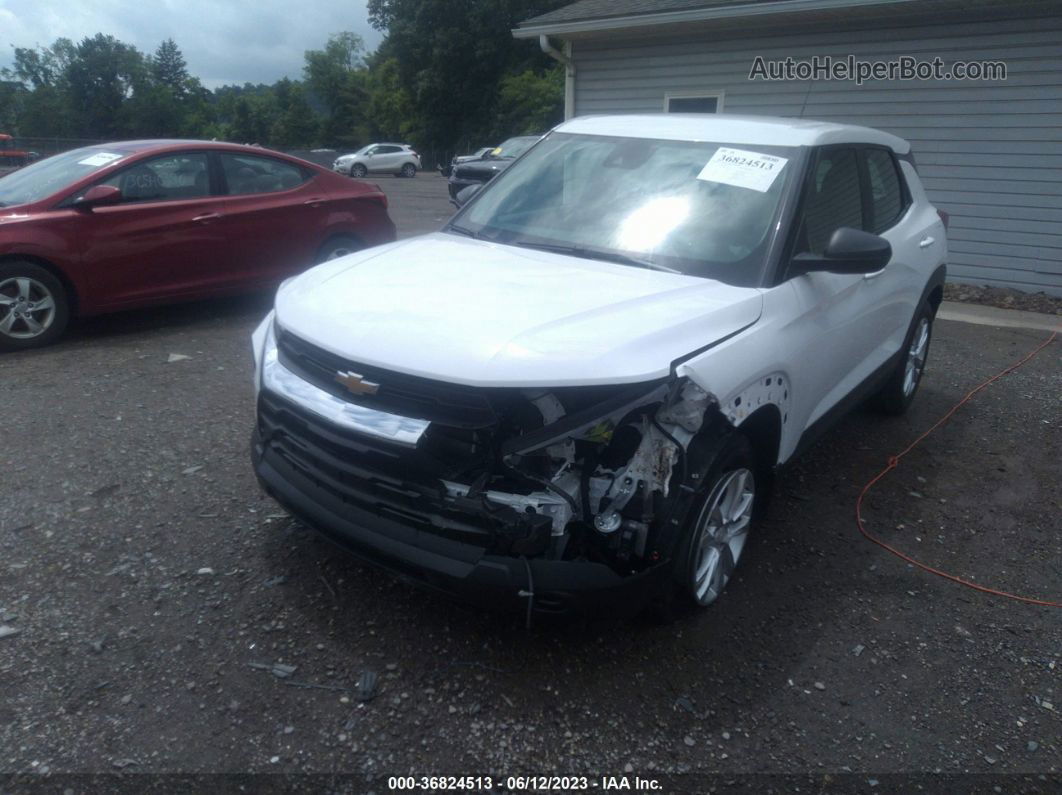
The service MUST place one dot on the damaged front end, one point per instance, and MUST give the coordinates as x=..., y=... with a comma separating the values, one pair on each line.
x=572, y=474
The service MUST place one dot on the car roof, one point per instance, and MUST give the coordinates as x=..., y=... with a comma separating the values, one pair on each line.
x=730, y=128
x=164, y=144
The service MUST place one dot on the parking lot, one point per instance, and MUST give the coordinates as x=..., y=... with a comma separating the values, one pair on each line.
x=154, y=589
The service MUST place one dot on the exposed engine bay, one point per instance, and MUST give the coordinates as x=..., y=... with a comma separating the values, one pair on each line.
x=588, y=476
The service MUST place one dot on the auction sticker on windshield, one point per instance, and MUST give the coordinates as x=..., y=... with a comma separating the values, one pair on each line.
x=99, y=159
x=743, y=169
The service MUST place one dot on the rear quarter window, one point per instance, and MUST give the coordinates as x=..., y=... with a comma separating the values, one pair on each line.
x=247, y=174
x=886, y=190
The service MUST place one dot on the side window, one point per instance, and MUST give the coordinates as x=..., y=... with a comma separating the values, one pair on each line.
x=886, y=195
x=246, y=174
x=167, y=178
x=388, y=150
x=833, y=199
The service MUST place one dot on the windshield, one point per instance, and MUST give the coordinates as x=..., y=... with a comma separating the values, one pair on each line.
x=514, y=147
x=45, y=177
x=704, y=209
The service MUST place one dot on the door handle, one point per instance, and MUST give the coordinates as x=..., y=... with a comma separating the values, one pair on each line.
x=207, y=218
x=926, y=242
x=313, y=202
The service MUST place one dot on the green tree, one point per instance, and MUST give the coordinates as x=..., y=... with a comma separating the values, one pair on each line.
x=391, y=115
x=43, y=99
x=337, y=77
x=100, y=78
x=452, y=57
x=296, y=123
x=169, y=70
x=529, y=102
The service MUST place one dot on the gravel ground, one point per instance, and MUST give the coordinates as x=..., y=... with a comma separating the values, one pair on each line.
x=1004, y=298
x=154, y=591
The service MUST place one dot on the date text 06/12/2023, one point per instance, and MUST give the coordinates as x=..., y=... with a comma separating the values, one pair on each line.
x=523, y=783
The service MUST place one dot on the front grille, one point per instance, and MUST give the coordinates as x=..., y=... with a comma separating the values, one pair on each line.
x=406, y=395
x=392, y=482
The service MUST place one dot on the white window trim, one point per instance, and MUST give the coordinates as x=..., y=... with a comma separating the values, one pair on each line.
x=717, y=95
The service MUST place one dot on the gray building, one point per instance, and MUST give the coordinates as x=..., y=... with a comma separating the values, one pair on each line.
x=989, y=150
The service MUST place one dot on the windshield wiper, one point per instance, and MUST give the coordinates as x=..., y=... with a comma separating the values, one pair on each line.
x=461, y=231
x=593, y=253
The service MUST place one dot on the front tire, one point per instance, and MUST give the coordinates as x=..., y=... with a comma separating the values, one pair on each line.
x=358, y=171
x=898, y=392
x=715, y=523
x=34, y=306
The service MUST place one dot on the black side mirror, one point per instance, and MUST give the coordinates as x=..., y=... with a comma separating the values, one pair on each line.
x=849, y=251
x=464, y=196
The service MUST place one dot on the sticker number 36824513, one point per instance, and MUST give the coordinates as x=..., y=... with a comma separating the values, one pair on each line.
x=743, y=169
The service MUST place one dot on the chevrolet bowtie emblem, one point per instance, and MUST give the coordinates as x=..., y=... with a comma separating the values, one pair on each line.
x=356, y=384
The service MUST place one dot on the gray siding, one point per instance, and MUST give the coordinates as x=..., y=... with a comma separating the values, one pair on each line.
x=989, y=153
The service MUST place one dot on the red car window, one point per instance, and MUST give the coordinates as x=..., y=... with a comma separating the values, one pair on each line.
x=246, y=174
x=176, y=176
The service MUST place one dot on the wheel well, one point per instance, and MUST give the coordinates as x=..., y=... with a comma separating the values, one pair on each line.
x=58, y=273
x=342, y=236
x=764, y=430
x=936, y=296
x=338, y=236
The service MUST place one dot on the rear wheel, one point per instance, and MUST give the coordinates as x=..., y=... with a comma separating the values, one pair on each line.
x=34, y=307
x=358, y=170
x=409, y=170
x=898, y=392
x=338, y=247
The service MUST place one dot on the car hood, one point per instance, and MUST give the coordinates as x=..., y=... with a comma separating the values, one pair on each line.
x=481, y=169
x=472, y=312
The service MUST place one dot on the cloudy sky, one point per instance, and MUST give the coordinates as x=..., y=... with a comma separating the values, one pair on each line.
x=224, y=41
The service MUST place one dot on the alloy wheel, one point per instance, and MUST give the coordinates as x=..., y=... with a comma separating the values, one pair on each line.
x=720, y=534
x=27, y=308
x=916, y=357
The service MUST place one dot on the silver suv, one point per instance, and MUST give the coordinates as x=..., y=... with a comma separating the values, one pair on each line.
x=398, y=159
x=575, y=395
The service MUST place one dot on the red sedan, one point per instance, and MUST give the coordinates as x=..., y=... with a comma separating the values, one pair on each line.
x=136, y=223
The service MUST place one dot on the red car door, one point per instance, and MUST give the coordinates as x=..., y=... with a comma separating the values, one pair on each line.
x=275, y=214
x=163, y=240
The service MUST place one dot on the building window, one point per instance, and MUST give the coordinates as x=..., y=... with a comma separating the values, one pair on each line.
x=694, y=103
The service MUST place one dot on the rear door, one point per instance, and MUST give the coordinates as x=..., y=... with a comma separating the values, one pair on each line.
x=164, y=239
x=275, y=215
x=915, y=233
x=388, y=158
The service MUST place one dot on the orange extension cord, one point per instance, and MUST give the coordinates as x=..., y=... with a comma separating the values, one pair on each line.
x=894, y=462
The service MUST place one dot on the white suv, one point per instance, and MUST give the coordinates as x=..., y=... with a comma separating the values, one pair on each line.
x=575, y=394
x=398, y=159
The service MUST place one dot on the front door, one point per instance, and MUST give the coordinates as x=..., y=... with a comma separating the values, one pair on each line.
x=837, y=323
x=163, y=239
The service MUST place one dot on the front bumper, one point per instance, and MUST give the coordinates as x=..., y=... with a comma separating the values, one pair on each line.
x=461, y=570
x=456, y=185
